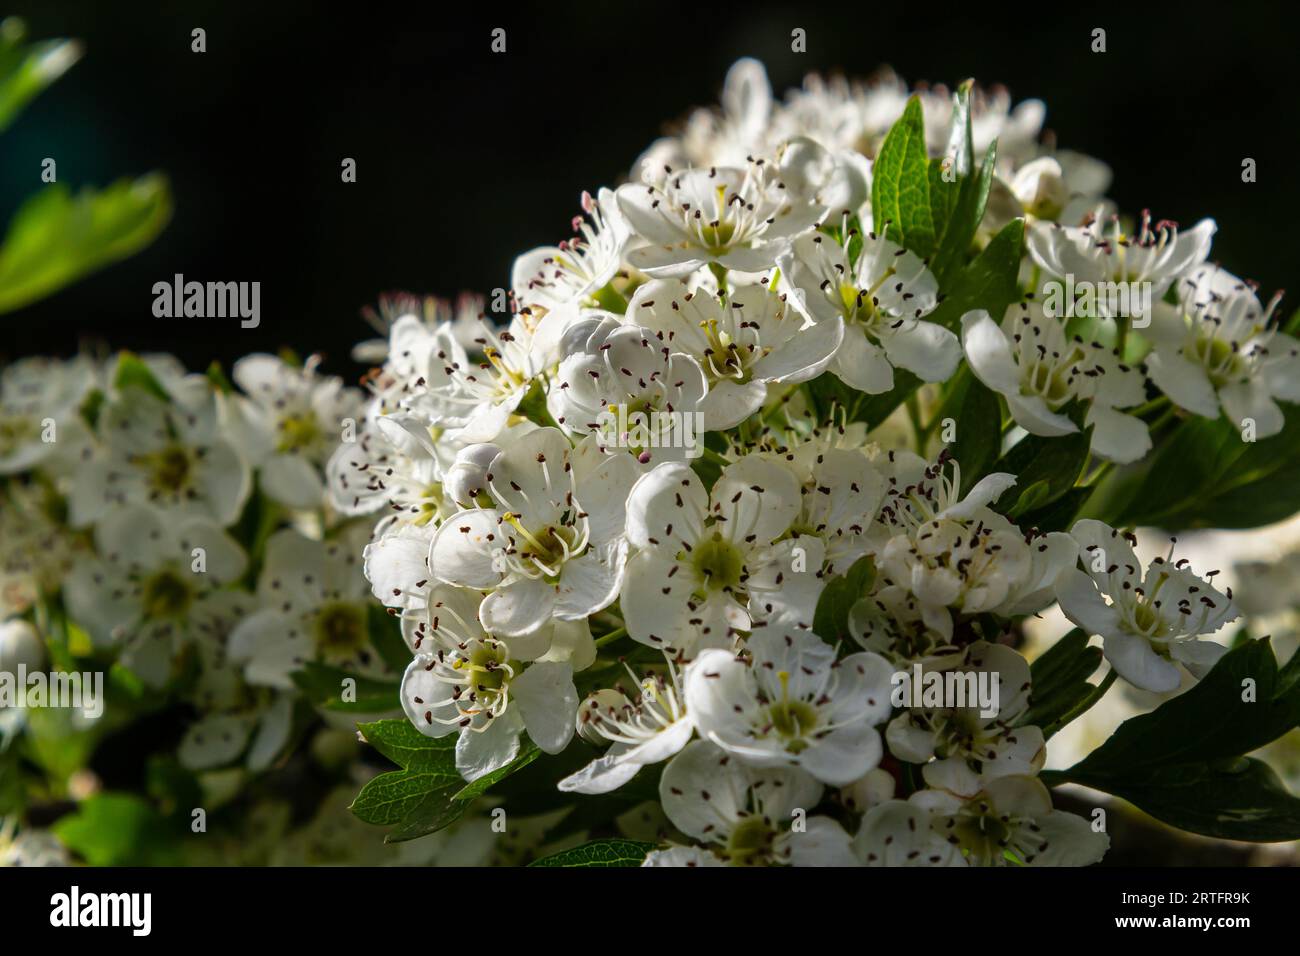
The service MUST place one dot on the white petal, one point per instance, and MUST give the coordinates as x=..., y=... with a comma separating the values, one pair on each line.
x=1185, y=382
x=520, y=607
x=548, y=703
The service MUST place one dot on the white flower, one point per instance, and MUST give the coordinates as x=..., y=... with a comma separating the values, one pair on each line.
x=314, y=600
x=554, y=282
x=387, y=467
x=840, y=494
x=1101, y=251
x=955, y=552
x=464, y=679
x=881, y=295
x=174, y=455
x=750, y=816
x=438, y=383
x=900, y=833
x=551, y=545
x=709, y=564
x=745, y=342
x=611, y=371
x=644, y=729
x=154, y=587
x=1038, y=368
x=40, y=413
x=1217, y=348
x=973, y=748
x=1149, y=621
x=793, y=704
x=290, y=423
x=740, y=218
x=889, y=622
x=1011, y=816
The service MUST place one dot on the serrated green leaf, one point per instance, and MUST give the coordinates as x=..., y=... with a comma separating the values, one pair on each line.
x=601, y=853
x=903, y=189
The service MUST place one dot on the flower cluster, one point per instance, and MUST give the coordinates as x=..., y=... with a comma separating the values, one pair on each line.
x=724, y=489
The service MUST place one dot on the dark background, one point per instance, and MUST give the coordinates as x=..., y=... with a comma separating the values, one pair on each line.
x=466, y=158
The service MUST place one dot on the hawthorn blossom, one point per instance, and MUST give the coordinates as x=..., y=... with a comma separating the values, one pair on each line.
x=793, y=704
x=1219, y=348
x=613, y=371
x=1010, y=822
x=464, y=679
x=646, y=728
x=746, y=342
x=710, y=564
x=1102, y=251
x=290, y=423
x=40, y=413
x=741, y=218
x=1150, y=620
x=953, y=551
x=882, y=293
x=972, y=747
x=1032, y=362
x=170, y=451
x=553, y=283
x=439, y=384
x=747, y=816
x=552, y=542
x=154, y=586
x=314, y=609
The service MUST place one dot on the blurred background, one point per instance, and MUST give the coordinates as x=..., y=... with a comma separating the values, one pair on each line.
x=465, y=158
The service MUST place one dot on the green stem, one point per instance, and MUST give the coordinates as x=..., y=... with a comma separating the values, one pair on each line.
x=716, y=457
x=611, y=637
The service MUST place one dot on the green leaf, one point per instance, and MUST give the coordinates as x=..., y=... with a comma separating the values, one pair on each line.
x=428, y=793
x=991, y=281
x=1059, y=680
x=976, y=412
x=1185, y=762
x=386, y=637
x=1059, y=515
x=28, y=68
x=116, y=829
x=831, y=617
x=1057, y=462
x=57, y=238
x=906, y=192
x=963, y=223
x=132, y=372
x=1206, y=475
x=600, y=853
